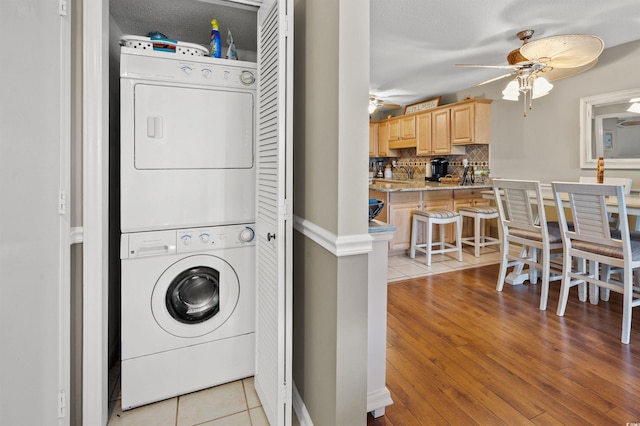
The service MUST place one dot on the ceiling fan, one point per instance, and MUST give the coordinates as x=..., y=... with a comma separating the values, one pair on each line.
x=538, y=62
x=376, y=104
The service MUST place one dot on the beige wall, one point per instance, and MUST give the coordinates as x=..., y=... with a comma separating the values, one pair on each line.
x=330, y=191
x=546, y=144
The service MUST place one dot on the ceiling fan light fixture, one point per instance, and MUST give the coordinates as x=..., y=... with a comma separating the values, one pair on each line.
x=372, y=107
x=541, y=87
x=634, y=100
x=512, y=91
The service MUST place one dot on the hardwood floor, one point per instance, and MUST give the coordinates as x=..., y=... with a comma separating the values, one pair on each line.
x=461, y=353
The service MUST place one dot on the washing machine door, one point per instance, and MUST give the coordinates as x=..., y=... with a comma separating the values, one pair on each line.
x=195, y=296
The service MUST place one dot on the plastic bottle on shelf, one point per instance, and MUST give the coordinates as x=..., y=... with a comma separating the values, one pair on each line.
x=214, y=44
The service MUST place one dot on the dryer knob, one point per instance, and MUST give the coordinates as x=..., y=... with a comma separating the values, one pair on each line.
x=186, y=239
x=247, y=235
x=204, y=238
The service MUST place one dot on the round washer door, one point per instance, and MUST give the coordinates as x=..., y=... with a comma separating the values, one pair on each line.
x=195, y=296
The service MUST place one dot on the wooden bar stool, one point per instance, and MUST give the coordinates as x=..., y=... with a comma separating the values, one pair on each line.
x=435, y=217
x=479, y=216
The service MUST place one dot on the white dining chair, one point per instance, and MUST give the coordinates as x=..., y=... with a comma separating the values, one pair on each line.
x=591, y=239
x=614, y=220
x=526, y=237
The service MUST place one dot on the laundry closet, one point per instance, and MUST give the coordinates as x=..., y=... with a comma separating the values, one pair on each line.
x=184, y=204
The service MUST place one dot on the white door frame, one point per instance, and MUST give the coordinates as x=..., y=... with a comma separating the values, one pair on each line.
x=95, y=174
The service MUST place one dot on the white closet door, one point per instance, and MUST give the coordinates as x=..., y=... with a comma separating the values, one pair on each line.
x=274, y=200
x=34, y=226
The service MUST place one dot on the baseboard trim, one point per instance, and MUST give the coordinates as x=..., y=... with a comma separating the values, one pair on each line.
x=300, y=409
x=346, y=245
x=377, y=401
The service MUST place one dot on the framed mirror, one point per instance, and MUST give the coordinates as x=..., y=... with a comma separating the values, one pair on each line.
x=610, y=128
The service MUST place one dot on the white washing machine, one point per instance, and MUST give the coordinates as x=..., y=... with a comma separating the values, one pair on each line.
x=187, y=141
x=188, y=310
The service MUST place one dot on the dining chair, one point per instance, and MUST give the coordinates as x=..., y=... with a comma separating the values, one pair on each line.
x=591, y=240
x=614, y=219
x=626, y=182
x=524, y=227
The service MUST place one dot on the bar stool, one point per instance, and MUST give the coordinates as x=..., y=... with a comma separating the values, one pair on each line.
x=479, y=216
x=435, y=217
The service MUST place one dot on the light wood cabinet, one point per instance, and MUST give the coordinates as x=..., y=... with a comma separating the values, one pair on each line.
x=394, y=129
x=408, y=127
x=470, y=122
x=423, y=134
x=383, y=141
x=441, y=131
x=402, y=132
x=373, y=139
x=400, y=214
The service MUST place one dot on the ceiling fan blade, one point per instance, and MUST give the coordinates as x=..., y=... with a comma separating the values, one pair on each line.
x=564, y=51
x=388, y=106
x=502, y=67
x=559, y=73
x=500, y=77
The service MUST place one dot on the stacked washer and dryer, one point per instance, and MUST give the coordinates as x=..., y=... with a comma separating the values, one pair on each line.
x=187, y=177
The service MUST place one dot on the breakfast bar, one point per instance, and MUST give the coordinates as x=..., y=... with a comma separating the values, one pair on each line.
x=401, y=198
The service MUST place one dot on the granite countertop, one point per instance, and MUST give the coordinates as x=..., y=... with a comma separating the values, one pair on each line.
x=376, y=226
x=395, y=185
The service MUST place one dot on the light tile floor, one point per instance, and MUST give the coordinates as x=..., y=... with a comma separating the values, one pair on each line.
x=236, y=403
x=230, y=404
x=402, y=267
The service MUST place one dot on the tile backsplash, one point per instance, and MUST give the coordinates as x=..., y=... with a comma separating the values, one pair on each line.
x=476, y=155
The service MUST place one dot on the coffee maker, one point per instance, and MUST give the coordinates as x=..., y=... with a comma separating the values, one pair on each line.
x=438, y=169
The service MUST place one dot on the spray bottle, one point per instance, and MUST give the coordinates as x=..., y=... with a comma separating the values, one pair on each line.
x=214, y=45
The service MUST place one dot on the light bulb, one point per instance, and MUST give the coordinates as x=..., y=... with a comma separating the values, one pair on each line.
x=511, y=92
x=541, y=87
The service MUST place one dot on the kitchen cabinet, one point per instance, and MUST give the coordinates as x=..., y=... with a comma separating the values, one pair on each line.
x=373, y=139
x=400, y=213
x=440, y=139
x=470, y=122
x=423, y=134
x=402, y=132
x=383, y=141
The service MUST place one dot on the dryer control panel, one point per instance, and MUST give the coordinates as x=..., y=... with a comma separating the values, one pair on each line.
x=159, y=243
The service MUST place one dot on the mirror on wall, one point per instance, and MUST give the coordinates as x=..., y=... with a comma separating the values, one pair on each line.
x=608, y=129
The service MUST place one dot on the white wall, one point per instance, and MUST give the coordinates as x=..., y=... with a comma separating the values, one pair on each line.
x=546, y=144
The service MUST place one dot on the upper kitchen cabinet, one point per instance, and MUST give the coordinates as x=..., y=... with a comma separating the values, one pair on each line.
x=383, y=141
x=470, y=122
x=373, y=139
x=402, y=132
x=433, y=133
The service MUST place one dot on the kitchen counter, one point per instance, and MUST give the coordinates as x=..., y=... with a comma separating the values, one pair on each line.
x=395, y=185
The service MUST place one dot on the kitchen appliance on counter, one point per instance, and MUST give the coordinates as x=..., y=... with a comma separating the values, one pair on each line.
x=438, y=169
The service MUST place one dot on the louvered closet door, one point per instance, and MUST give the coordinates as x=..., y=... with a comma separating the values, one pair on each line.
x=273, y=222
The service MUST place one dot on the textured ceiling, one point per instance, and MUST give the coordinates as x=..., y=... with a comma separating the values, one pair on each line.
x=415, y=44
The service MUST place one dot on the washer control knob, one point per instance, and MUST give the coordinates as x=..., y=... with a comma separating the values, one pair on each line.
x=247, y=235
x=204, y=238
x=187, y=69
x=247, y=77
x=186, y=239
x=206, y=72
